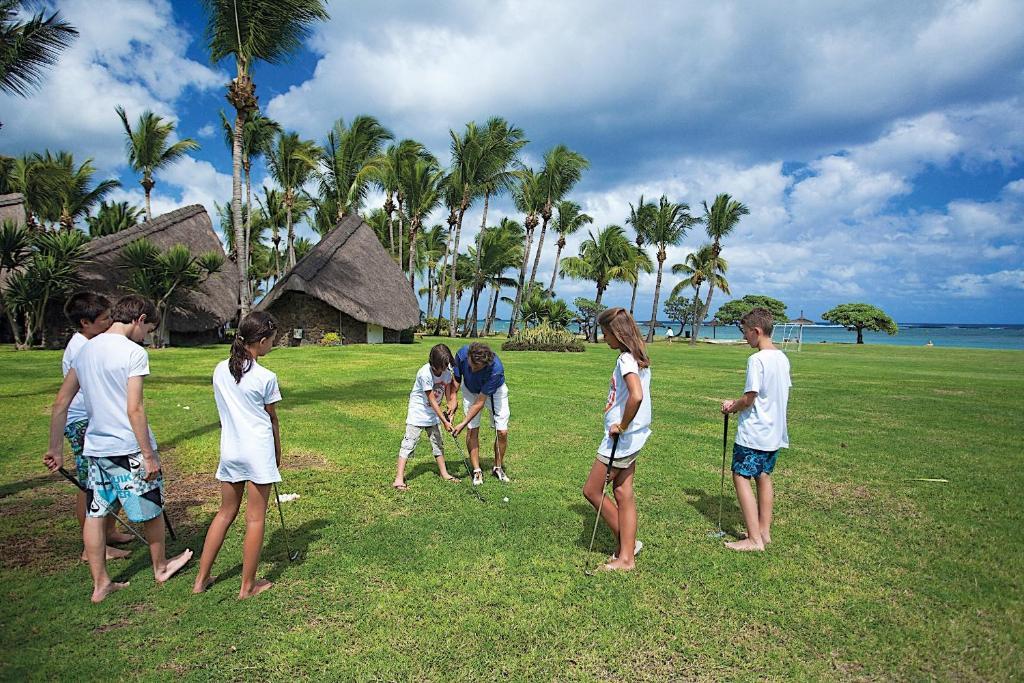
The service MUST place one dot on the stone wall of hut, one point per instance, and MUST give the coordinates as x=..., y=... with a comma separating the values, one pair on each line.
x=295, y=310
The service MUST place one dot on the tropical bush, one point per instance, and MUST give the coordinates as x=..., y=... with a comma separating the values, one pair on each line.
x=331, y=339
x=543, y=337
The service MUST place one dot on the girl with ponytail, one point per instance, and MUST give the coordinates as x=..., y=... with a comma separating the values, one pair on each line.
x=250, y=447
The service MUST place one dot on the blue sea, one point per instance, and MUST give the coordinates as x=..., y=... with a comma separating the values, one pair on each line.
x=974, y=336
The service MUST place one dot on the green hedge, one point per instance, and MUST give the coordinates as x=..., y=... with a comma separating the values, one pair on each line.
x=543, y=337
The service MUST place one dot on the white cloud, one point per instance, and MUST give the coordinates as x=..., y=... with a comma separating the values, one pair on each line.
x=206, y=131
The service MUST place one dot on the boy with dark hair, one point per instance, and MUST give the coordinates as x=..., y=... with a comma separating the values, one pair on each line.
x=762, y=429
x=124, y=467
x=482, y=377
x=90, y=313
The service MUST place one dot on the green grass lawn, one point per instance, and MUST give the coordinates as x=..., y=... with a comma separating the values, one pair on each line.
x=871, y=574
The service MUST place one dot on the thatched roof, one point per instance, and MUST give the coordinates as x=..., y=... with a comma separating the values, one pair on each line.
x=207, y=309
x=12, y=207
x=349, y=270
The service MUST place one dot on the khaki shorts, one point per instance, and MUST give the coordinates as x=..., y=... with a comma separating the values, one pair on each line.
x=412, y=437
x=621, y=462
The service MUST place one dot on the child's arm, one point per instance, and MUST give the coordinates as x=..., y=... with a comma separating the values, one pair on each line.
x=740, y=404
x=432, y=400
x=452, y=397
x=474, y=410
x=636, y=397
x=54, y=458
x=140, y=426
x=271, y=409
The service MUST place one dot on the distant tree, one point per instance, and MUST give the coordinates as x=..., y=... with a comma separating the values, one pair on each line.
x=291, y=162
x=600, y=261
x=166, y=277
x=112, y=218
x=27, y=47
x=731, y=311
x=568, y=221
x=588, y=310
x=720, y=219
x=679, y=309
x=148, y=148
x=861, y=317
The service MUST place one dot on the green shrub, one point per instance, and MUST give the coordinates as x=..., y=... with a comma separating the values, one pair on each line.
x=543, y=337
x=331, y=339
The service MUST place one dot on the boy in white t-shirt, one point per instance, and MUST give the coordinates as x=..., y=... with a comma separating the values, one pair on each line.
x=124, y=467
x=762, y=430
x=433, y=381
x=90, y=313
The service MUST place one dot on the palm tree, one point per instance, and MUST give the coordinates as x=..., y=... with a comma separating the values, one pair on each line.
x=640, y=218
x=385, y=171
x=325, y=215
x=148, y=150
x=72, y=193
x=452, y=199
x=29, y=46
x=511, y=226
x=639, y=262
x=291, y=162
x=719, y=220
x=37, y=182
x=276, y=216
x=433, y=244
x=251, y=31
x=601, y=261
x=422, y=186
x=497, y=249
x=568, y=221
x=529, y=200
x=563, y=168
x=347, y=162
x=258, y=134
x=112, y=218
x=669, y=224
x=699, y=267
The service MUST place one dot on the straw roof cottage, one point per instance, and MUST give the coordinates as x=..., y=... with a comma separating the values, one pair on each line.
x=348, y=284
x=12, y=207
x=201, y=315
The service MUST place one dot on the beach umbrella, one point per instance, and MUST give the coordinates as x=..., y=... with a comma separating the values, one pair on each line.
x=800, y=322
x=714, y=327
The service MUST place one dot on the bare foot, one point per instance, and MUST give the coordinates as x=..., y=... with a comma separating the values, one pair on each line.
x=172, y=566
x=746, y=545
x=617, y=565
x=400, y=486
x=202, y=586
x=261, y=585
x=448, y=477
x=99, y=594
x=112, y=554
x=118, y=537
x=766, y=539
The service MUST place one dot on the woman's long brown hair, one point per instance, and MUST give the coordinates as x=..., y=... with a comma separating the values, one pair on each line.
x=621, y=324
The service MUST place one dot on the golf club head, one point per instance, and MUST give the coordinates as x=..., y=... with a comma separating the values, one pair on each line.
x=716, y=534
x=293, y=556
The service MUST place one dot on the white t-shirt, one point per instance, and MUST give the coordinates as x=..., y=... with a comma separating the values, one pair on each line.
x=76, y=411
x=633, y=439
x=763, y=424
x=420, y=413
x=246, y=434
x=103, y=366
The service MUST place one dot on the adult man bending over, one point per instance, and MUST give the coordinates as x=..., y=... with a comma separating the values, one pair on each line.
x=482, y=378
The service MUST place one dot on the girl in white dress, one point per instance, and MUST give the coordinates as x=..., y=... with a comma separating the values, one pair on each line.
x=250, y=448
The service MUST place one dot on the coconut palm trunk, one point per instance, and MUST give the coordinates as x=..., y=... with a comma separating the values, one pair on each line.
x=413, y=229
x=248, y=222
x=662, y=255
x=430, y=289
x=531, y=223
x=558, y=259
x=699, y=320
x=454, y=305
x=593, y=327
x=291, y=231
x=546, y=216
x=492, y=306
x=147, y=186
x=241, y=257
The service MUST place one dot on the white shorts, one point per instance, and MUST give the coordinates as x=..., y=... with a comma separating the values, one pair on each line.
x=496, y=404
x=412, y=437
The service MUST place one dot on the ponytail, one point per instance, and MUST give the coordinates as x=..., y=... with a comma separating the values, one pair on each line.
x=254, y=328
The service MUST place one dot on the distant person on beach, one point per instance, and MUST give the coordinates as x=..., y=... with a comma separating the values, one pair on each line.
x=762, y=429
x=124, y=467
x=669, y=335
x=480, y=374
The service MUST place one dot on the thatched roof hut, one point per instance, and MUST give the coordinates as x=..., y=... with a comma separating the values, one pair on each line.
x=348, y=284
x=12, y=207
x=201, y=314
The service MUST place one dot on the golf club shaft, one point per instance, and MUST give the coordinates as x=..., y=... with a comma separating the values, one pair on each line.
x=116, y=516
x=604, y=485
x=280, y=512
x=469, y=467
x=725, y=447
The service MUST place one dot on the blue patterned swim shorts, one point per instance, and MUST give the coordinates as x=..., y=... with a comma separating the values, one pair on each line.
x=121, y=479
x=750, y=462
x=75, y=434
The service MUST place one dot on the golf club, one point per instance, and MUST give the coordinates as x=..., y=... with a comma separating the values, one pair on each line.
x=604, y=485
x=469, y=467
x=116, y=516
x=721, y=492
x=292, y=556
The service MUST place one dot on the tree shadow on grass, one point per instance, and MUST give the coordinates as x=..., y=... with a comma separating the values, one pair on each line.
x=18, y=486
x=707, y=505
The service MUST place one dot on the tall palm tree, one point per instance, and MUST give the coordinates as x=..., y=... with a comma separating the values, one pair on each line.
x=563, y=168
x=433, y=245
x=112, y=218
x=568, y=221
x=600, y=261
x=699, y=267
x=347, y=161
x=252, y=31
x=148, y=149
x=72, y=192
x=529, y=200
x=385, y=171
x=640, y=218
x=719, y=220
x=639, y=262
x=669, y=224
x=422, y=187
x=497, y=249
x=452, y=199
x=29, y=46
x=276, y=215
x=37, y=182
x=511, y=226
x=291, y=161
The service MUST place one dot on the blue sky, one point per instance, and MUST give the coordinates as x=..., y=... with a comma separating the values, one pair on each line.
x=879, y=145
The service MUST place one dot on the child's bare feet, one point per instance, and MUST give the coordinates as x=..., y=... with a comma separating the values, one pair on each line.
x=172, y=567
x=100, y=594
x=118, y=537
x=203, y=586
x=399, y=485
x=766, y=538
x=746, y=545
x=260, y=586
x=617, y=565
x=448, y=477
x=112, y=554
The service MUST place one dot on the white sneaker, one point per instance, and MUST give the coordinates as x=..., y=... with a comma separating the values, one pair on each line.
x=637, y=547
x=500, y=474
x=478, y=477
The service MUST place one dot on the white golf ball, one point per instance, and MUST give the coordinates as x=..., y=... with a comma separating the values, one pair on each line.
x=505, y=499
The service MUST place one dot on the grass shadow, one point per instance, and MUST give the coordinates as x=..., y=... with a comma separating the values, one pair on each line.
x=25, y=484
x=707, y=505
x=298, y=539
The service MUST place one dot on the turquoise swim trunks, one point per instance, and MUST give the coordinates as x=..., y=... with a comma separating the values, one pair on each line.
x=121, y=479
x=75, y=434
x=750, y=462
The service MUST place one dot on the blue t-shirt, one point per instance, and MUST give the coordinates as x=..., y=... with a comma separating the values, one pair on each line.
x=486, y=381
